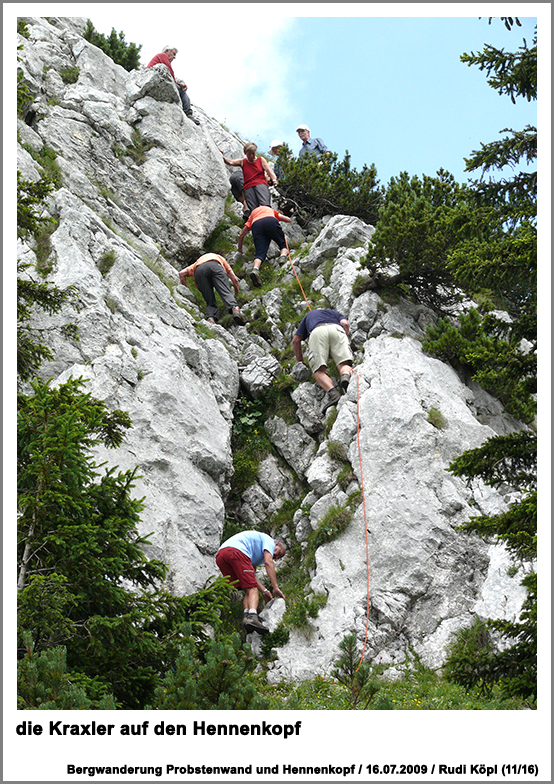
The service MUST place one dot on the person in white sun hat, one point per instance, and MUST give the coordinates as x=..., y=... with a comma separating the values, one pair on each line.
x=310, y=146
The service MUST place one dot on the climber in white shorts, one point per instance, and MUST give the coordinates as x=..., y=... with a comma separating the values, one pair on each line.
x=326, y=331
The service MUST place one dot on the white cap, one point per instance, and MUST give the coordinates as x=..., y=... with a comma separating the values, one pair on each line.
x=302, y=128
x=275, y=143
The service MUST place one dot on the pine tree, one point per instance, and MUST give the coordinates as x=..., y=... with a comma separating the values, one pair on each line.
x=326, y=186
x=32, y=294
x=498, y=252
x=358, y=678
x=115, y=46
x=83, y=577
x=413, y=239
x=43, y=683
x=213, y=677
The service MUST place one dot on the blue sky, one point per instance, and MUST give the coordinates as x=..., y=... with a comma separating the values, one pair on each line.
x=390, y=89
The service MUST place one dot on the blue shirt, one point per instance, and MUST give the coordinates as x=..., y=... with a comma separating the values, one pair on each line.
x=316, y=317
x=313, y=145
x=252, y=544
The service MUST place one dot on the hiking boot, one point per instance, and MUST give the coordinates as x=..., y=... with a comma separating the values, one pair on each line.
x=255, y=277
x=252, y=623
x=331, y=399
x=238, y=317
x=195, y=120
x=345, y=380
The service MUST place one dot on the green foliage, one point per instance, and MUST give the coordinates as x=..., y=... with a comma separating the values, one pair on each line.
x=24, y=95
x=115, y=46
x=139, y=147
x=84, y=578
x=508, y=459
x=70, y=74
x=469, y=657
x=106, y=262
x=436, y=419
x=32, y=295
x=414, y=237
x=215, y=678
x=474, y=662
x=487, y=347
x=346, y=476
x=43, y=683
x=359, y=678
x=512, y=460
x=30, y=203
x=326, y=186
x=496, y=251
x=22, y=28
x=275, y=639
x=250, y=444
x=337, y=452
x=509, y=73
x=415, y=687
x=334, y=522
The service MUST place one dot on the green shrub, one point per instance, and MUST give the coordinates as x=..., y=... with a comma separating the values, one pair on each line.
x=70, y=74
x=332, y=525
x=137, y=151
x=115, y=46
x=470, y=650
x=106, y=262
x=327, y=186
x=346, y=476
x=436, y=419
x=275, y=639
x=337, y=452
x=359, y=678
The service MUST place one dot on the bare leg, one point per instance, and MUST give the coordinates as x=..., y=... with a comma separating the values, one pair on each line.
x=250, y=601
x=344, y=367
x=323, y=379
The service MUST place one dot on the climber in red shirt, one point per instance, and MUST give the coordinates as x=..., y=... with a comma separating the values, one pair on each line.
x=166, y=57
x=256, y=175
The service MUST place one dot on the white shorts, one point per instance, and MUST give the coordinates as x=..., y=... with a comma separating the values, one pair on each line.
x=328, y=340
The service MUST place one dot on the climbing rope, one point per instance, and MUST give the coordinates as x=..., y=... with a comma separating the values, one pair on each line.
x=296, y=276
x=361, y=474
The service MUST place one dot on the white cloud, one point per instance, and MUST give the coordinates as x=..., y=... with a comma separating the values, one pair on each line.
x=233, y=56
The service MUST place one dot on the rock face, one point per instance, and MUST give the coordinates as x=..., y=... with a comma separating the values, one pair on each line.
x=142, y=188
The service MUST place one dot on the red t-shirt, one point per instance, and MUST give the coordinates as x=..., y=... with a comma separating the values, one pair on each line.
x=164, y=59
x=253, y=173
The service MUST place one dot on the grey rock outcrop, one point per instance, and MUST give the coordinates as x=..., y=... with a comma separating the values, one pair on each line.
x=142, y=189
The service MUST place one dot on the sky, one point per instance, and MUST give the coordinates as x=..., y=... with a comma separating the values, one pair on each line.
x=371, y=79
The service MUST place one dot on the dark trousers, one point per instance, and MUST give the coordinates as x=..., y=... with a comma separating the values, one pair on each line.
x=185, y=100
x=257, y=196
x=237, y=181
x=209, y=276
x=263, y=231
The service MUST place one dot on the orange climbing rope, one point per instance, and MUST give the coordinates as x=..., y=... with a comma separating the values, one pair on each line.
x=361, y=473
x=296, y=276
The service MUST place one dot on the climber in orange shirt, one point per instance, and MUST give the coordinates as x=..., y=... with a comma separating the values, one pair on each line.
x=264, y=224
x=211, y=271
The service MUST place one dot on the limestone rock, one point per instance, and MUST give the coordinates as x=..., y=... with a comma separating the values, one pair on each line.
x=142, y=190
